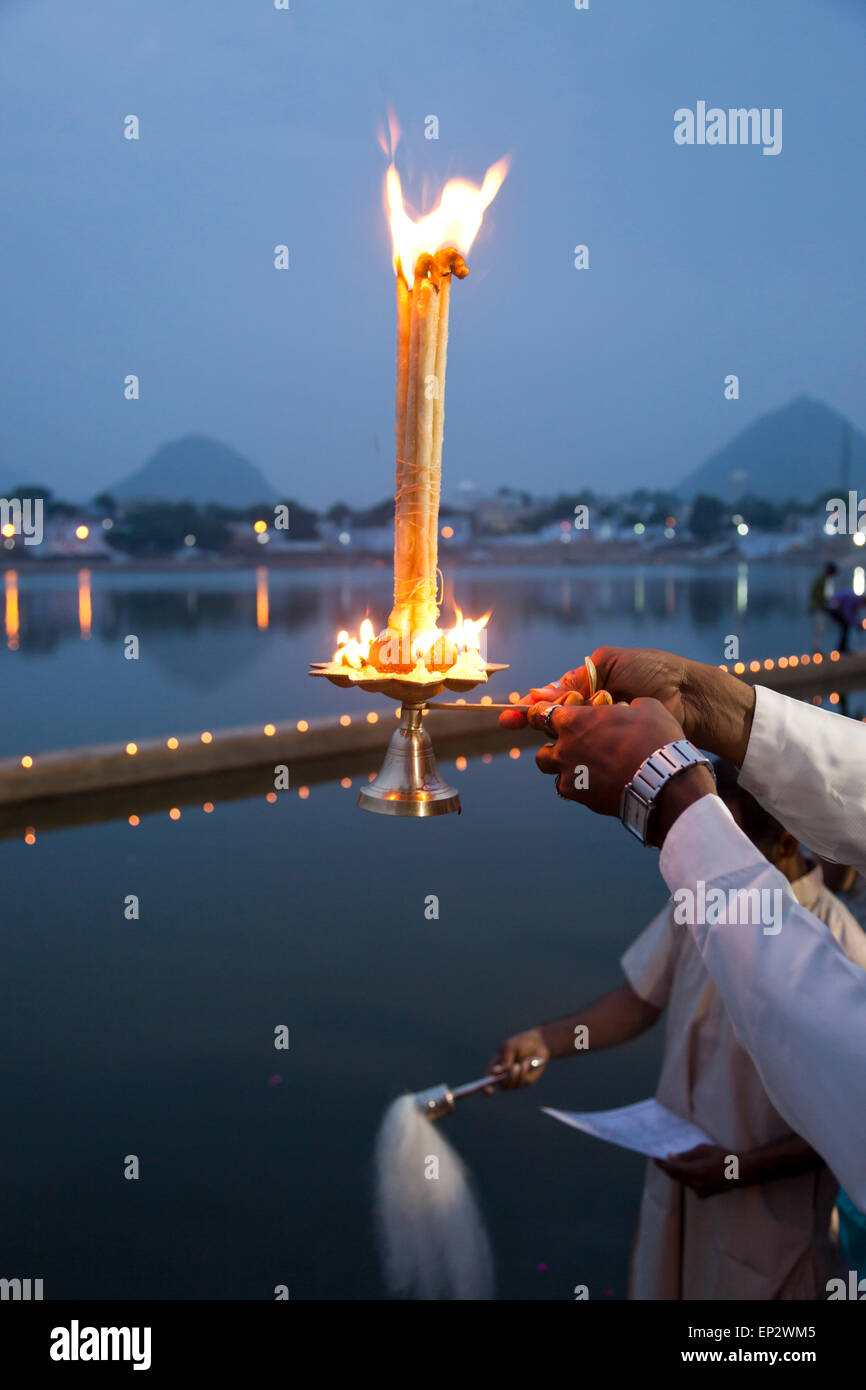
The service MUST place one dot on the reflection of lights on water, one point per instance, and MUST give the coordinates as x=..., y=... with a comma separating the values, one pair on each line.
x=12, y=616
x=859, y=538
x=639, y=592
x=271, y=797
x=742, y=588
x=742, y=529
x=303, y=793
x=859, y=582
x=638, y=528
x=834, y=698
x=262, y=611
x=85, y=607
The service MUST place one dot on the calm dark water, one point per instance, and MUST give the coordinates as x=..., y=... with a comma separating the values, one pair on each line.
x=155, y=1037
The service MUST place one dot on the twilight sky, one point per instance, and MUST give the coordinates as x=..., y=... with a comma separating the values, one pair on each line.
x=258, y=127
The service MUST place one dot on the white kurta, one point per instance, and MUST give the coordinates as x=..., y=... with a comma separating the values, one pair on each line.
x=796, y=1003
x=764, y=1241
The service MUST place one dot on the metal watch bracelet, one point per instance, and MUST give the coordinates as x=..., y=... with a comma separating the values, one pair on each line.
x=638, y=798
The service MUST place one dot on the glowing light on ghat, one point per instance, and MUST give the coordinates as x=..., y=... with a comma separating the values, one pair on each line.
x=271, y=798
x=85, y=607
x=345, y=783
x=132, y=749
x=303, y=793
x=27, y=761
x=175, y=813
x=303, y=726
x=372, y=717
x=30, y=836
x=171, y=743
x=270, y=730
x=207, y=807
x=461, y=764
x=82, y=532
x=345, y=720
x=133, y=821
x=514, y=753
x=262, y=605
x=8, y=530
x=260, y=527
x=207, y=737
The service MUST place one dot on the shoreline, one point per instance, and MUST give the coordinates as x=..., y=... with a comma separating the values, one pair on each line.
x=510, y=557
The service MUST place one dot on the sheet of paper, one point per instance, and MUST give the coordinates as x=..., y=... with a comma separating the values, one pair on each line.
x=646, y=1127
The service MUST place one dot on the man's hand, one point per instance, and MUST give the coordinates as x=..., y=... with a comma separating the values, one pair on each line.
x=599, y=748
x=712, y=708
x=702, y=1169
x=512, y=1059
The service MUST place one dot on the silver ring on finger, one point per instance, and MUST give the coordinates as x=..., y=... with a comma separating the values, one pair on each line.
x=547, y=721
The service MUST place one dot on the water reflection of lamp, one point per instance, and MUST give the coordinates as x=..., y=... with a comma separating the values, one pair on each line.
x=85, y=607
x=742, y=587
x=262, y=613
x=12, y=620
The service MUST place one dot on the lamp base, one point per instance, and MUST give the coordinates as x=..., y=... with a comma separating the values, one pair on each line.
x=408, y=782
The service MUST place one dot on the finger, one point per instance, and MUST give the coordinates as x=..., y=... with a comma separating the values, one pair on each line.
x=699, y=1151
x=546, y=760
x=537, y=717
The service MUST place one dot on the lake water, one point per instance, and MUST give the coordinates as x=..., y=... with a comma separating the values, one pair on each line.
x=155, y=1037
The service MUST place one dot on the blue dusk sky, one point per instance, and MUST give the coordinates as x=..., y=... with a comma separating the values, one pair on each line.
x=258, y=127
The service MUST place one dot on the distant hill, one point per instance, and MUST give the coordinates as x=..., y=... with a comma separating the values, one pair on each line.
x=200, y=470
x=798, y=451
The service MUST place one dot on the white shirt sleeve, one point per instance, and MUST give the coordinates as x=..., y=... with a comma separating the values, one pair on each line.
x=797, y=1004
x=807, y=766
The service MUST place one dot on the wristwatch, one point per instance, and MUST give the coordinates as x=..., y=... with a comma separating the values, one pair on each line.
x=638, y=799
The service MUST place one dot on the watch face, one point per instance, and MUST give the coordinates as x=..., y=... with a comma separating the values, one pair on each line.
x=634, y=814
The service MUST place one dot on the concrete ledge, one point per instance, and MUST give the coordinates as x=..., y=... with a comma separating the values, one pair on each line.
x=324, y=742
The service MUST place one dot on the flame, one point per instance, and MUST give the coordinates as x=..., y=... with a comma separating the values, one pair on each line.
x=427, y=648
x=454, y=222
x=466, y=634
x=354, y=651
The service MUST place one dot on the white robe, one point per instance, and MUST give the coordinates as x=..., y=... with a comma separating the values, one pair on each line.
x=764, y=1241
x=797, y=1004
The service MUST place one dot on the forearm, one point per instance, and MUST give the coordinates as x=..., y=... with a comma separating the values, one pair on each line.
x=612, y=1019
x=786, y=1158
